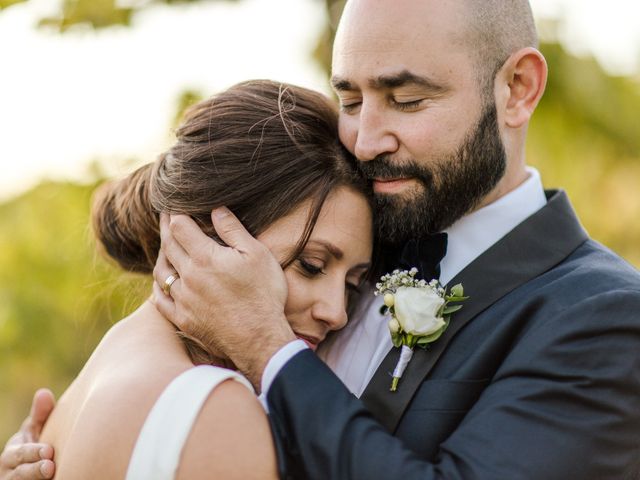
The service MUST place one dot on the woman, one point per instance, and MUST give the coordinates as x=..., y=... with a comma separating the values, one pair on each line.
x=270, y=153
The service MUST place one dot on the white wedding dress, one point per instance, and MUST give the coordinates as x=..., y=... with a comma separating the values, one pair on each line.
x=156, y=455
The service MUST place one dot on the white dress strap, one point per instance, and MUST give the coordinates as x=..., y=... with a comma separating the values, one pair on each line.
x=157, y=451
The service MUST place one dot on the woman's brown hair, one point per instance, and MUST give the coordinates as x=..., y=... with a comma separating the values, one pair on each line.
x=260, y=148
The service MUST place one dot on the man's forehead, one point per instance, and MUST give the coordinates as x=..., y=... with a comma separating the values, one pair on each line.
x=412, y=11
x=429, y=69
x=383, y=37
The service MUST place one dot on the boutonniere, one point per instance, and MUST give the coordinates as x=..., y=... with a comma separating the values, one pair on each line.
x=420, y=312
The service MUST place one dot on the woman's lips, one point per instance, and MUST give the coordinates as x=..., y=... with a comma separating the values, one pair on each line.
x=391, y=185
x=311, y=342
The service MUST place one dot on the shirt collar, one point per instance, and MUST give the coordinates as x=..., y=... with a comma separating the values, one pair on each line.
x=474, y=233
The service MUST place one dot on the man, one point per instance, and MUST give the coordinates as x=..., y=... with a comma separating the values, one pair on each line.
x=538, y=376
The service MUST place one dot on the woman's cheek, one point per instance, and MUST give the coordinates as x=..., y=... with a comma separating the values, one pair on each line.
x=293, y=297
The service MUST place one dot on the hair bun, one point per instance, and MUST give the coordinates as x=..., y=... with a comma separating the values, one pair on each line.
x=125, y=223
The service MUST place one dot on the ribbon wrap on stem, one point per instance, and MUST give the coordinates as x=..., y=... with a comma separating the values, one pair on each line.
x=406, y=353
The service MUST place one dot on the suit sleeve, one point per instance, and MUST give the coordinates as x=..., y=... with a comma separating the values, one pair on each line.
x=564, y=404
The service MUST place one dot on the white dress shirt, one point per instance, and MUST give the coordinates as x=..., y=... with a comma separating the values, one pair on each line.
x=355, y=353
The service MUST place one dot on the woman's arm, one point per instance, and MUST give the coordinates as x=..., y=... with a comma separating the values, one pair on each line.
x=231, y=438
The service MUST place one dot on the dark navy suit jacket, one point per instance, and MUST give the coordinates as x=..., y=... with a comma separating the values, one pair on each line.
x=537, y=377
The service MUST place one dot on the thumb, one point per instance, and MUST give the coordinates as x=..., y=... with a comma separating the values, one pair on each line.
x=230, y=230
x=41, y=407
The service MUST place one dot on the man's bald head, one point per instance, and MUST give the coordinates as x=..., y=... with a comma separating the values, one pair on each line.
x=494, y=30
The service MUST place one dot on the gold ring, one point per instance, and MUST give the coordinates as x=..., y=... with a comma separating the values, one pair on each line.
x=166, y=286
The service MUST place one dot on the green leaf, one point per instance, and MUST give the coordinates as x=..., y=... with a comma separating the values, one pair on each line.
x=450, y=310
x=455, y=299
x=434, y=336
x=430, y=338
x=397, y=340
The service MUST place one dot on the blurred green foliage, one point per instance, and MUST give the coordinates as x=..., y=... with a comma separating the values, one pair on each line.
x=8, y=3
x=585, y=138
x=97, y=13
x=58, y=297
x=186, y=99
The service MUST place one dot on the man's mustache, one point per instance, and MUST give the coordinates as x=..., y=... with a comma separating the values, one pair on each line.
x=384, y=167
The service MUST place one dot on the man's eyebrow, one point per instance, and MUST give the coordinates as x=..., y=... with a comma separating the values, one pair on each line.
x=404, y=78
x=340, y=84
x=400, y=79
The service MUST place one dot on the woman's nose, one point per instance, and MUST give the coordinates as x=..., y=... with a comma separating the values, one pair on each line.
x=331, y=309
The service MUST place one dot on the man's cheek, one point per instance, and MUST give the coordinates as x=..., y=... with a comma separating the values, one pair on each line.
x=348, y=132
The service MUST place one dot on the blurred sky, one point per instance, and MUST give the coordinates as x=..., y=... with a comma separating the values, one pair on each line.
x=110, y=95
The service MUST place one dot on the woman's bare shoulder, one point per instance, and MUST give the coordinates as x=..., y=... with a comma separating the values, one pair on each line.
x=106, y=410
x=231, y=438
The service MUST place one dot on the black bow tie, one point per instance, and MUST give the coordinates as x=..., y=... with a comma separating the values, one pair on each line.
x=423, y=253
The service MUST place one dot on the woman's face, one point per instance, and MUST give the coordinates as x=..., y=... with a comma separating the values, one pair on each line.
x=334, y=261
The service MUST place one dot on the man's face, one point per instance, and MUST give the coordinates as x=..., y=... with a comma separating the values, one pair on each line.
x=414, y=114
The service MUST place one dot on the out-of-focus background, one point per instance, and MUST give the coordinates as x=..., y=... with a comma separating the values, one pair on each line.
x=90, y=89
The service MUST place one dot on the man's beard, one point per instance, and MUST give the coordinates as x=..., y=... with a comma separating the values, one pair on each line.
x=449, y=187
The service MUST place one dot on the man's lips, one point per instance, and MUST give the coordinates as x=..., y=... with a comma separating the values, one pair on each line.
x=312, y=342
x=390, y=185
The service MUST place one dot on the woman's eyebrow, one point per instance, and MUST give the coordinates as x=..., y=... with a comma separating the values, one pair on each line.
x=331, y=248
x=337, y=253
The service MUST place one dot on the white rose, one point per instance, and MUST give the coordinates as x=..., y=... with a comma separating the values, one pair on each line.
x=416, y=309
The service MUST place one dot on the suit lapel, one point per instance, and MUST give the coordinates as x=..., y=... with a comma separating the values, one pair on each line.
x=532, y=248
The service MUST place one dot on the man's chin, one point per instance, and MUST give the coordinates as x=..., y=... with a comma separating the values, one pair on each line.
x=398, y=217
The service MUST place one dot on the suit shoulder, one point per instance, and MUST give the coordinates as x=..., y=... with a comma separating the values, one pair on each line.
x=594, y=265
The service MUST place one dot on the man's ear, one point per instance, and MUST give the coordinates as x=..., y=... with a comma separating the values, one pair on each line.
x=524, y=75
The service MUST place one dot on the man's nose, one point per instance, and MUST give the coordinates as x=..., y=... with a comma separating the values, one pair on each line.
x=374, y=135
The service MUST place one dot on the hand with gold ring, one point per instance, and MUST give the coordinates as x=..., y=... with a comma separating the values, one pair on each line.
x=166, y=286
x=216, y=279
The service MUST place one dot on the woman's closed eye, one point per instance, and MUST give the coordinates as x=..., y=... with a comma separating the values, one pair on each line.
x=310, y=269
